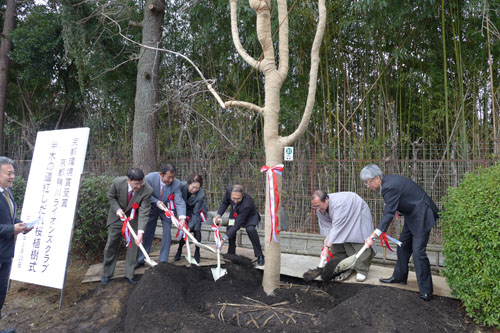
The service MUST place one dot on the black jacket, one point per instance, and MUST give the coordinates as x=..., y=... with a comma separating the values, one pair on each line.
x=7, y=228
x=195, y=203
x=410, y=200
x=246, y=212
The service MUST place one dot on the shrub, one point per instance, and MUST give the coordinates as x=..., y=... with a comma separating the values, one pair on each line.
x=471, y=229
x=18, y=189
x=90, y=232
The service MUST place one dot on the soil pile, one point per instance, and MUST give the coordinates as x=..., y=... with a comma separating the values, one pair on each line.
x=176, y=298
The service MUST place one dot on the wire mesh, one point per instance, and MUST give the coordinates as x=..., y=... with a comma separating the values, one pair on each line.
x=309, y=171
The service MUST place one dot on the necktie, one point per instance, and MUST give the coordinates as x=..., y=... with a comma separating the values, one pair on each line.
x=7, y=197
x=162, y=191
x=130, y=193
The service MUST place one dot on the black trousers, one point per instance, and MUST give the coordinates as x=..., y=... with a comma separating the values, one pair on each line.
x=416, y=245
x=4, y=280
x=254, y=238
x=197, y=235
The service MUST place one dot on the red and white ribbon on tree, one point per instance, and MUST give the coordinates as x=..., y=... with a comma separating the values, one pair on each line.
x=126, y=220
x=217, y=238
x=274, y=198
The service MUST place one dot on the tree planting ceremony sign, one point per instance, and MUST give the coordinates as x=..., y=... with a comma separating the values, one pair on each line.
x=50, y=201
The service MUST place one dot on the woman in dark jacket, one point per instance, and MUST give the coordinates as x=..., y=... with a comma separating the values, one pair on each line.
x=196, y=210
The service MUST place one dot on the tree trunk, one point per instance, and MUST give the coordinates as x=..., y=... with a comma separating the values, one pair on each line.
x=146, y=95
x=274, y=77
x=5, y=47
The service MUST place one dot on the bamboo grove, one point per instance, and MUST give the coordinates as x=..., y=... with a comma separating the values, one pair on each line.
x=393, y=75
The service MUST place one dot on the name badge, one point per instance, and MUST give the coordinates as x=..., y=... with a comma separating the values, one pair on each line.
x=230, y=222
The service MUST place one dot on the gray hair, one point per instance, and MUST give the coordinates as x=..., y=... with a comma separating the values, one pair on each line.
x=5, y=160
x=371, y=171
x=237, y=188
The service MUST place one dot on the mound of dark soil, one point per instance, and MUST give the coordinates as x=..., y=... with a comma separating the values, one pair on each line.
x=174, y=298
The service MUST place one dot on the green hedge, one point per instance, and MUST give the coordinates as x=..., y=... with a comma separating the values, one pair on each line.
x=471, y=229
x=18, y=189
x=90, y=232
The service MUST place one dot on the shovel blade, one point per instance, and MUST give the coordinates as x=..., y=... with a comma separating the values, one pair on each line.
x=150, y=262
x=345, y=264
x=218, y=272
x=191, y=260
x=312, y=274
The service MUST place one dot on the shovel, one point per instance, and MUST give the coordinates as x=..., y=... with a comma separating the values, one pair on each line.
x=315, y=272
x=195, y=241
x=188, y=255
x=147, y=259
x=218, y=272
x=349, y=262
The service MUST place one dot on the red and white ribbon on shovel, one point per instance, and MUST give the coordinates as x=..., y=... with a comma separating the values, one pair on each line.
x=180, y=233
x=203, y=216
x=217, y=237
x=330, y=254
x=175, y=221
x=274, y=197
x=126, y=220
x=383, y=239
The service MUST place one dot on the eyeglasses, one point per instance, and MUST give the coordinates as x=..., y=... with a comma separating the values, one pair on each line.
x=368, y=182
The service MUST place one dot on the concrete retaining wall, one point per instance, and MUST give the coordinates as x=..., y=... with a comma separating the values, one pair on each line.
x=310, y=244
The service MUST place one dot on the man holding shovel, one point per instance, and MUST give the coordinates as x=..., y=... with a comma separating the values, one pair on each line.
x=243, y=214
x=123, y=193
x=345, y=219
x=403, y=195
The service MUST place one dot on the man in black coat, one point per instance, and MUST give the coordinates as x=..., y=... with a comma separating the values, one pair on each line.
x=9, y=226
x=403, y=195
x=243, y=214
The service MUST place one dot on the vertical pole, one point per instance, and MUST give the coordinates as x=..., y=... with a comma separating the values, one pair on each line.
x=313, y=173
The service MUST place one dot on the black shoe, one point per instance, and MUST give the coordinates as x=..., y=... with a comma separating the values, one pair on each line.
x=12, y=330
x=104, y=280
x=131, y=281
x=426, y=297
x=261, y=261
x=197, y=255
x=392, y=280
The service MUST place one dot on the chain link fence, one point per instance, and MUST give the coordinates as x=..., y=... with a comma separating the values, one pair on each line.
x=310, y=170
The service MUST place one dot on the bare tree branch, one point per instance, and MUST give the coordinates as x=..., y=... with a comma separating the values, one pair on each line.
x=313, y=77
x=216, y=95
x=283, y=38
x=247, y=105
x=236, y=37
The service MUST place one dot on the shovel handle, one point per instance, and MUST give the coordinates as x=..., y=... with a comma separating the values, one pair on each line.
x=322, y=262
x=360, y=252
x=132, y=232
x=194, y=240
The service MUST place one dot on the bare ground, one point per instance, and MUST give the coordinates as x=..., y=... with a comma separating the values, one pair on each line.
x=174, y=298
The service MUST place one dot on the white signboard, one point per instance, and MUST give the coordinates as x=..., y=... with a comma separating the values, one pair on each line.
x=51, y=193
x=288, y=153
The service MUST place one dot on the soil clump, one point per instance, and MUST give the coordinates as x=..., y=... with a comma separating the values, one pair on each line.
x=172, y=298
x=176, y=298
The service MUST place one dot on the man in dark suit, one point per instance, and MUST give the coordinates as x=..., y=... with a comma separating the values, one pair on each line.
x=243, y=214
x=403, y=195
x=166, y=193
x=123, y=193
x=9, y=226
